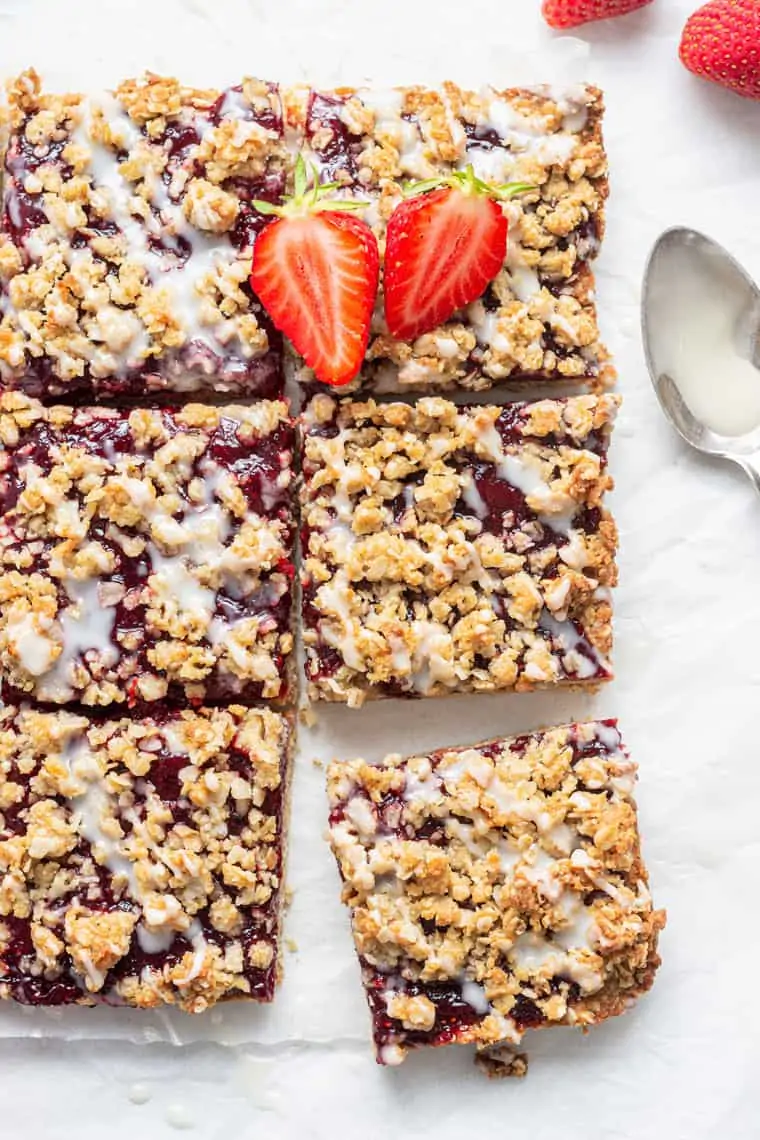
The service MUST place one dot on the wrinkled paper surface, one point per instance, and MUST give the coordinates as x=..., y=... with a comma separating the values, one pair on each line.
x=683, y=1064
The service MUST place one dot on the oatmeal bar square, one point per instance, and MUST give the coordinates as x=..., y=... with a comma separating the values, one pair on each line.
x=126, y=239
x=455, y=549
x=141, y=859
x=145, y=554
x=538, y=318
x=496, y=888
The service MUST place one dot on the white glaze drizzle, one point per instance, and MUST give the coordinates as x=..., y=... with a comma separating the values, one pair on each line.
x=86, y=624
x=90, y=807
x=178, y=279
x=522, y=471
x=571, y=641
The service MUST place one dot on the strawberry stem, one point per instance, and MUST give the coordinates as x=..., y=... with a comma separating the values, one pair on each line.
x=468, y=182
x=300, y=177
x=308, y=196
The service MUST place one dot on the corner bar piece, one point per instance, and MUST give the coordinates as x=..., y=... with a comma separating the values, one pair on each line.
x=456, y=549
x=537, y=320
x=145, y=554
x=495, y=889
x=141, y=859
x=126, y=240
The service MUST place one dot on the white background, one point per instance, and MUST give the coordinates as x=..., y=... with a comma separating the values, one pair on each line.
x=683, y=1066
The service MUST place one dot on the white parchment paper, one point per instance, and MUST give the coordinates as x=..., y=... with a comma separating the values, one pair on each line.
x=683, y=1065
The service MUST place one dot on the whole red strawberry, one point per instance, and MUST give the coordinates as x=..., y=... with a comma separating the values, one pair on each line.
x=721, y=42
x=570, y=13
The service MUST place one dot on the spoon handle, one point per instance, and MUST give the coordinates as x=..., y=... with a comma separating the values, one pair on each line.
x=751, y=464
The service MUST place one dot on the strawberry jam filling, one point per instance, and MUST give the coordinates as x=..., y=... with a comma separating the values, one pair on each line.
x=331, y=139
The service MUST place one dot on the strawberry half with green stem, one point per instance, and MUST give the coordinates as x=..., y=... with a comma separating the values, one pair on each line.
x=315, y=270
x=444, y=244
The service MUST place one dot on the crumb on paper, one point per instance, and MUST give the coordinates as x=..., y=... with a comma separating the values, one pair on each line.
x=307, y=716
x=179, y=1116
x=500, y=1061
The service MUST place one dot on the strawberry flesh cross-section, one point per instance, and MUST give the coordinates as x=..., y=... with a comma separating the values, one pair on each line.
x=315, y=269
x=444, y=246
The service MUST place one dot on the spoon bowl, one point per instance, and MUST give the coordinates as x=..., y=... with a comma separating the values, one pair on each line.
x=695, y=290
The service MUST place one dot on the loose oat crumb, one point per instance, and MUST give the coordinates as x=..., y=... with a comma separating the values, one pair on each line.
x=501, y=1061
x=308, y=716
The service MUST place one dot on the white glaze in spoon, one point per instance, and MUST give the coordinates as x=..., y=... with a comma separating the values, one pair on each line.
x=701, y=327
x=701, y=313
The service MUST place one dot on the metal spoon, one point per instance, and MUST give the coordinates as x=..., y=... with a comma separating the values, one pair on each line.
x=673, y=250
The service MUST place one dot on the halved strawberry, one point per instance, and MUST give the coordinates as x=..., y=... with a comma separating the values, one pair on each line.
x=315, y=269
x=442, y=249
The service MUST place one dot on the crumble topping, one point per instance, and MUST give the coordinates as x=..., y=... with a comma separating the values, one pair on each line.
x=455, y=548
x=538, y=317
x=145, y=553
x=141, y=859
x=495, y=888
x=126, y=250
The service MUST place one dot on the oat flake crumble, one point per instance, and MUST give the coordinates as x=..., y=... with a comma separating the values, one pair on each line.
x=126, y=241
x=141, y=860
x=128, y=230
x=455, y=549
x=145, y=554
x=495, y=889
